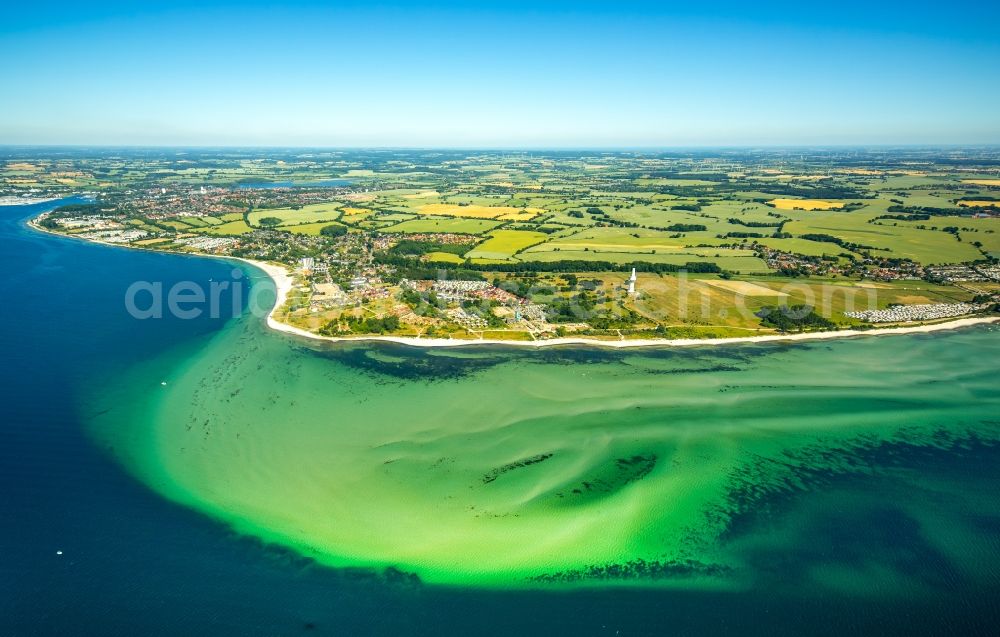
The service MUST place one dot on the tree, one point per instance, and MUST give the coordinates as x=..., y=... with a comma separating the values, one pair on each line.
x=332, y=230
x=269, y=222
x=795, y=317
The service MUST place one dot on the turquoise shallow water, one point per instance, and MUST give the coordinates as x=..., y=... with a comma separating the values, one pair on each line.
x=826, y=488
x=582, y=467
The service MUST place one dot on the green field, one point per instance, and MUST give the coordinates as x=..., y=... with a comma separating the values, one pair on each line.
x=984, y=231
x=306, y=214
x=229, y=228
x=308, y=228
x=504, y=244
x=903, y=239
x=443, y=257
x=662, y=229
x=460, y=226
x=177, y=225
x=746, y=264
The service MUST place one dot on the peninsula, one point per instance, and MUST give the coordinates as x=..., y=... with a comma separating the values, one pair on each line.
x=621, y=249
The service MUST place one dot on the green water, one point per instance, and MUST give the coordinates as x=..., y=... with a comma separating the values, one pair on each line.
x=702, y=468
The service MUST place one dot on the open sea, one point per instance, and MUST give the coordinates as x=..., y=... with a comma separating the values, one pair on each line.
x=204, y=476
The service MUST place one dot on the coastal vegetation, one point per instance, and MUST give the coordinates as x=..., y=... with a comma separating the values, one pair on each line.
x=793, y=318
x=362, y=230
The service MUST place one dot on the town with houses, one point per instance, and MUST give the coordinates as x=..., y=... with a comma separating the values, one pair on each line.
x=453, y=258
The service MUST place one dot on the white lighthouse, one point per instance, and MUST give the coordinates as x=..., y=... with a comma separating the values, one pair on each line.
x=631, y=283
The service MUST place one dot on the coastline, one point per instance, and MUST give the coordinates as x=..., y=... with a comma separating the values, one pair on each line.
x=282, y=280
x=13, y=202
x=283, y=285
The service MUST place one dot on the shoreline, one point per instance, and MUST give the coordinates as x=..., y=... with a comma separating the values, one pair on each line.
x=14, y=201
x=283, y=284
x=282, y=281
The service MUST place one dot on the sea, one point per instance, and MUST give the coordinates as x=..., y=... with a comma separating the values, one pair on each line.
x=193, y=473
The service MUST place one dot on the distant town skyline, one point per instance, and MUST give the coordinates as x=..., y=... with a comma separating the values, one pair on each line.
x=500, y=75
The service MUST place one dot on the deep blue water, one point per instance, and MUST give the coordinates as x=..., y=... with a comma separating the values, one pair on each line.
x=134, y=564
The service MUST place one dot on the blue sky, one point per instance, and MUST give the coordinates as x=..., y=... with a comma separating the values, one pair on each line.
x=500, y=74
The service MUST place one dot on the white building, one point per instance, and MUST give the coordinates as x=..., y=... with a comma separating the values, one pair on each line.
x=631, y=283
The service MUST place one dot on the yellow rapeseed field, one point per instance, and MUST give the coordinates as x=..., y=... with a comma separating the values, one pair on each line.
x=806, y=204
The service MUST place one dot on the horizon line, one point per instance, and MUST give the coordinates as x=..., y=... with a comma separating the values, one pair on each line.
x=488, y=148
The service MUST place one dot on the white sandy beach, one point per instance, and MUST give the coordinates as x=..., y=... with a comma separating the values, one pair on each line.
x=283, y=283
